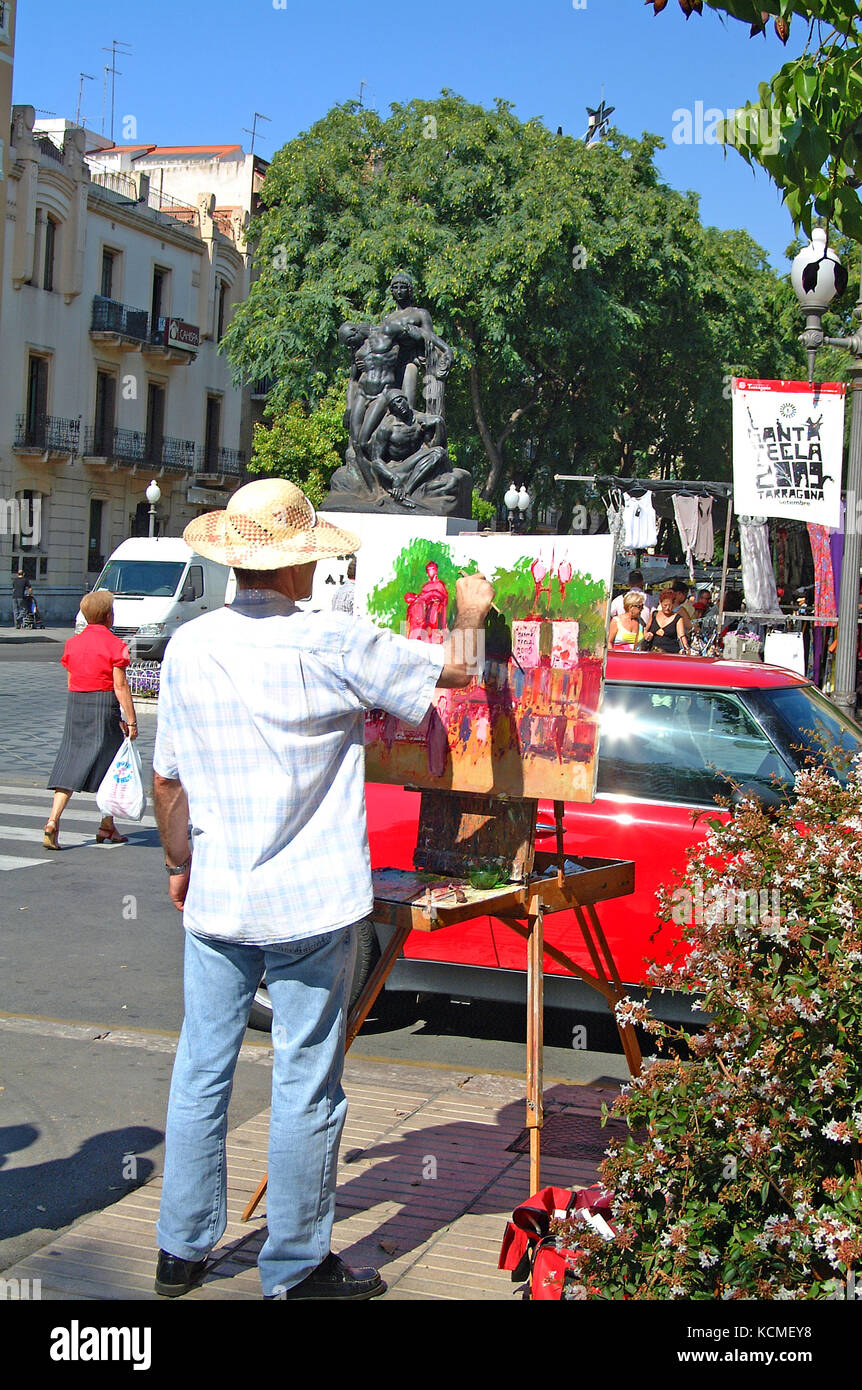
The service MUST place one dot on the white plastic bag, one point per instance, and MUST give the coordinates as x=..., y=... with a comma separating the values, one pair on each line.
x=121, y=792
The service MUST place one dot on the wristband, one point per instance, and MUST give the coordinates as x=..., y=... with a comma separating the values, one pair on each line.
x=173, y=870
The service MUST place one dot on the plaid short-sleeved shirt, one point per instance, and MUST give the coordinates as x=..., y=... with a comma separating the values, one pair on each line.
x=261, y=718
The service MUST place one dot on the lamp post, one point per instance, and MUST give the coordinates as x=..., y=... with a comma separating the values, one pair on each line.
x=817, y=276
x=518, y=502
x=154, y=496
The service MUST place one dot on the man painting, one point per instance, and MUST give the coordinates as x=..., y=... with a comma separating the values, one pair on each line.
x=260, y=751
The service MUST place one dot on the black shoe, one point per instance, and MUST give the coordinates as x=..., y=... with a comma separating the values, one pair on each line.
x=333, y=1279
x=175, y=1277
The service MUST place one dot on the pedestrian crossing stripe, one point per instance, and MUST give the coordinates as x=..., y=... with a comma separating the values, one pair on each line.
x=9, y=861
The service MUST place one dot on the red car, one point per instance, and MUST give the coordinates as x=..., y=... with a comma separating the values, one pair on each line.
x=670, y=727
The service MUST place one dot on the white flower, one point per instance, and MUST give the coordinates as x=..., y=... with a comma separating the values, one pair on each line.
x=707, y=1258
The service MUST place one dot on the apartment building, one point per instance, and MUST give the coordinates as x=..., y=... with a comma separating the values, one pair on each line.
x=116, y=294
x=7, y=47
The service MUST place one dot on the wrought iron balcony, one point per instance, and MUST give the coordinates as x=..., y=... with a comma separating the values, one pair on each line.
x=122, y=446
x=216, y=461
x=261, y=388
x=48, y=433
x=178, y=454
x=109, y=316
x=132, y=447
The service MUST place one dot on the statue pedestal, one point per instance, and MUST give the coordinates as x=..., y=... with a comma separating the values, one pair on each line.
x=454, y=500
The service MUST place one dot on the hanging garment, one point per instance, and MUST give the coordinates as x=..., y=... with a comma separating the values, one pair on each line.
x=686, y=512
x=704, y=546
x=641, y=527
x=825, y=596
x=758, y=580
x=616, y=519
x=824, y=578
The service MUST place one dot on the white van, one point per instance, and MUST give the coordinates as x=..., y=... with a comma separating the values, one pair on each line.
x=159, y=583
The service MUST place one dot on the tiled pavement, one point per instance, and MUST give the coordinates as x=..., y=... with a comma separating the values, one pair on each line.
x=426, y=1183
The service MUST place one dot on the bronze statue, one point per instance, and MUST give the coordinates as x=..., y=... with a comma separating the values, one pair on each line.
x=397, y=458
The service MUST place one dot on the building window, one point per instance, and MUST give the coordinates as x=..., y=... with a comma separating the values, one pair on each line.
x=221, y=306
x=158, y=304
x=5, y=21
x=108, y=260
x=37, y=402
x=103, y=422
x=212, y=435
x=155, y=422
x=95, y=558
x=48, y=260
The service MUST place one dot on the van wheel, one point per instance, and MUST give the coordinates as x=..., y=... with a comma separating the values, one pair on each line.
x=367, y=956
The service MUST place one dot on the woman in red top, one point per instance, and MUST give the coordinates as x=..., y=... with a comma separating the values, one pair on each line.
x=95, y=727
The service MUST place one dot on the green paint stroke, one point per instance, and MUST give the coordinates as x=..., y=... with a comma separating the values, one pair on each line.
x=514, y=592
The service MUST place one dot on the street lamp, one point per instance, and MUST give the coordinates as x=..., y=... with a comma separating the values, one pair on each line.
x=817, y=276
x=154, y=496
x=518, y=502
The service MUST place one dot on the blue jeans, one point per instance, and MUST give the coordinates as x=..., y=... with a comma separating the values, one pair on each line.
x=309, y=984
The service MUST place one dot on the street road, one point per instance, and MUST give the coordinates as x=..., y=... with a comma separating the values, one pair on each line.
x=91, y=998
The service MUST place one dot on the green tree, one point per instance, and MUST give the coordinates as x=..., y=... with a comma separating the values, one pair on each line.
x=817, y=101
x=595, y=320
x=302, y=443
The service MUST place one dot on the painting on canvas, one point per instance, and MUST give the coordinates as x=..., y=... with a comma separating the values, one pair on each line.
x=527, y=724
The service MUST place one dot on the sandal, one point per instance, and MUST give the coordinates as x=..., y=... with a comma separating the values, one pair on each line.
x=110, y=837
x=49, y=836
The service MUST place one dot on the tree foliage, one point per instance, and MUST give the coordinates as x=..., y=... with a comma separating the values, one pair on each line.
x=595, y=320
x=817, y=159
x=301, y=443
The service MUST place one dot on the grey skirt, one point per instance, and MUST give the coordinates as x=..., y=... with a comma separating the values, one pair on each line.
x=91, y=739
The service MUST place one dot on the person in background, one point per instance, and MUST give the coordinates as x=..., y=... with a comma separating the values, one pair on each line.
x=733, y=601
x=666, y=630
x=342, y=599
x=626, y=632
x=21, y=595
x=100, y=713
x=635, y=585
x=682, y=603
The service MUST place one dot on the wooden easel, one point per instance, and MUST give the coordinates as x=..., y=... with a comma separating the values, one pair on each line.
x=466, y=833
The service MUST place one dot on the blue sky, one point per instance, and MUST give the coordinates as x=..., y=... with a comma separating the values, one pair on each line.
x=199, y=69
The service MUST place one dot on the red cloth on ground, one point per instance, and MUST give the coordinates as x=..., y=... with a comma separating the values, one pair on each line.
x=90, y=658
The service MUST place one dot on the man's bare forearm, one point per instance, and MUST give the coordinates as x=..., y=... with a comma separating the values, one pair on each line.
x=473, y=597
x=172, y=818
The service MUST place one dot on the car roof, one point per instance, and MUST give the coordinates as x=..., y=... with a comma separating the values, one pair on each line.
x=647, y=669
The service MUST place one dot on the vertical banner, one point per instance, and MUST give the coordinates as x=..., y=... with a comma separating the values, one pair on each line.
x=788, y=443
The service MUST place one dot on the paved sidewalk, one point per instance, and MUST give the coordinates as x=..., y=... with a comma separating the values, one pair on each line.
x=56, y=633
x=426, y=1182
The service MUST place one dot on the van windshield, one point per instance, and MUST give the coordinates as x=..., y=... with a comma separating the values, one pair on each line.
x=141, y=578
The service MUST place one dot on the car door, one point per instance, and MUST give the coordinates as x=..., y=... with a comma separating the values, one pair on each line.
x=665, y=754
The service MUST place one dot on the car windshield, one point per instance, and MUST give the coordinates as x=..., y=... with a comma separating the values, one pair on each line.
x=684, y=745
x=808, y=725
x=141, y=578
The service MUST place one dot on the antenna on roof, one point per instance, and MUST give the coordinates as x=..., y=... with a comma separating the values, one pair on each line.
x=116, y=45
x=89, y=78
x=258, y=116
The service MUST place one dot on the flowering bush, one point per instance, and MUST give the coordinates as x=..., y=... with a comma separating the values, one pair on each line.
x=741, y=1176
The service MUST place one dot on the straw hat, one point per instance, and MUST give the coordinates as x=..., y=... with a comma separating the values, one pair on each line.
x=266, y=525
